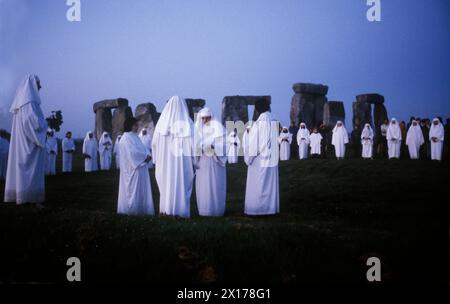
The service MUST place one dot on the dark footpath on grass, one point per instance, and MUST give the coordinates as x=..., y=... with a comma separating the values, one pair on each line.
x=334, y=216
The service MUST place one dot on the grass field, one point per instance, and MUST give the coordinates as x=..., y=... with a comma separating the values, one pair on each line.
x=334, y=215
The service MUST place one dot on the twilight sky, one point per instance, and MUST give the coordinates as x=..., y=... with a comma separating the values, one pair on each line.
x=149, y=50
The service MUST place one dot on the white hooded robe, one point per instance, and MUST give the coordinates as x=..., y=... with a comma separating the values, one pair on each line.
x=367, y=142
x=147, y=141
x=116, y=151
x=51, y=145
x=67, y=147
x=339, y=140
x=414, y=139
x=285, y=140
x=438, y=132
x=394, y=139
x=105, y=151
x=233, y=147
x=303, y=141
x=25, y=176
x=315, y=140
x=90, y=148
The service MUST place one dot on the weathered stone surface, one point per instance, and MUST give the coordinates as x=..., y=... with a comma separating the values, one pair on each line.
x=372, y=98
x=120, y=115
x=362, y=114
x=235, y=108
x=310, y=88
x=103, y=121
x=332, y=112
x=379, y=116
x=194, y=106
x=253, y=100
x=110, y=104
x=147, y=116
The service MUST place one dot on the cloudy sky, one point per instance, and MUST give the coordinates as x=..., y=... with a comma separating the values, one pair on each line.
x=149, y=50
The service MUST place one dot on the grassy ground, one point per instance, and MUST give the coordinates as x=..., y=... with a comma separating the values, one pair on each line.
x=334, y=215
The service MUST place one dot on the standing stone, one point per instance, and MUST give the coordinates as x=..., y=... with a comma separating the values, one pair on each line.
x=103, y=115
x=120, y=115
x=194, y=106
x=307, y=104
x=332, y=112
x=235, y=108
x=362, y=114
x=147, y=117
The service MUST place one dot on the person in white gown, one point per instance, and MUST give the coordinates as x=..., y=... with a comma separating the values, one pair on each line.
x=233, y=147
x=105, y=151
x=117, y=151
x=210, y=177
x=25, y=176
x=135, y=192
x=285, y=140
x=339, y=140
x=51, y=147
x=414, y=140
x=303, y=141
x=68, y=148
x=245, y=143
x=315, y=140
x=4, y=150
x=262, y=189
x=174, y=159
x=394, y=139
x=90, y=152
x=146, y=139
x=437, y=134
x=367, y=142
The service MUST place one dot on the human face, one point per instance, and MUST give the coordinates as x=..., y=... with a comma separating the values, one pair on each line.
x=206, y=119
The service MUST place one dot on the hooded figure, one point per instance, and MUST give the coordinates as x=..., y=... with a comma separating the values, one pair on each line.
x=414, y=139
x=339, y=139
x=25, y=176
x=394, y=139
x=105, y=150
x=51, y=147
x=68, y=147
x=315, y=140
x=367, y=142
x=285, y=140
x=245, y=143
x=303, y=141
x=437, y=134
x=234, y=144
x=117, y=151
x=210, y=177
x=4, y=150
x=146, y=139
x=135, y=192
x=90, y=150
x=173, y=156
x=262, y=190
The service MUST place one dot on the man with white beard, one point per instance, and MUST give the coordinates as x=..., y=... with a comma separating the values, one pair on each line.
x=367, y=142
x=146, y=139
x=285, y=140
x=174, y=159
x=117, y=151
x=210, y=177
x=414, y=139
x=233, y=147
x=90, y=150
x=394, y=139
x=105, y=151
x=25, y=176
x=135, y=192
x=262, y=189
x=437, y=134
x=339, y=140
x=4, y=150
x=303, y=141
x=68, y=147
x=51, y=147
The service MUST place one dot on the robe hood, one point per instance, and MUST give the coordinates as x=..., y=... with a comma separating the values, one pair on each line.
x=27, y=92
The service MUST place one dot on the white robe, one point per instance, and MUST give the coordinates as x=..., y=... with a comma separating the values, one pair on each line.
x=285, y=140
x=339, y=140
x=25, y=176
x=116, y=152
x=367, y=142
x=315, y=140
x=90, y=147
x=105, y=151
x=210, y=177
x=438, y=146
x=303, y=143
x=173, y=156
x=51, y=145
x=4, y=150
x=135, y=192
x=67, y=156
x=245, y=145
x=233, y=148
x=414, y=139
x=394, y=140
x=147, y=141
x=262, y=189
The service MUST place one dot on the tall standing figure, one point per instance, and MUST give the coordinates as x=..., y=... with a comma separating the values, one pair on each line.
x=339, y=140
x=285, y=140
x=234, y=144
x=105, y=151
x=303, y=141
x=414, y=140
x=25, y=177
x=437, y=134
x=146, y=139
x=367, y=142
x=262, y=190
x=68, y=147
x=394, y=139
x=173, y=156
x=90, y=151
x=51, y=147
x=117, y=151
x=210, y=178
